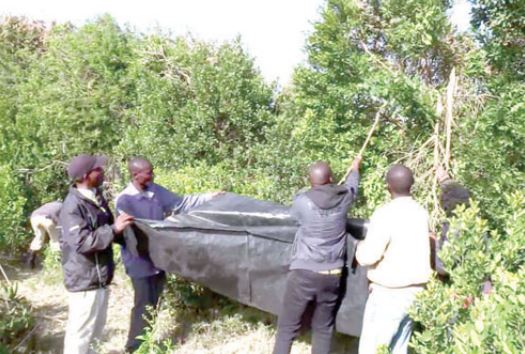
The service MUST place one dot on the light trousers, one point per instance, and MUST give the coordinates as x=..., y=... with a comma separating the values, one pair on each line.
x=86, y=320
x=386, y=320
x=43, y=227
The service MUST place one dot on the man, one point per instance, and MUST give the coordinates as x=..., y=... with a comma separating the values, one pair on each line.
x=146, y=200
x=397, y=252
x=318, y=258
x=43, y=222
x=88, y=232
x=453, y=194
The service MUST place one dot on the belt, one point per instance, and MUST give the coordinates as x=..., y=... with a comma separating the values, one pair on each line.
x=336, y=271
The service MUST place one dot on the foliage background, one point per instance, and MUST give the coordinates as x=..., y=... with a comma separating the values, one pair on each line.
x=207, y=119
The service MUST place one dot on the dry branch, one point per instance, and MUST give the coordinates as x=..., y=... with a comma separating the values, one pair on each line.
x=5, y=275
x=367, y=140
x=451, y=88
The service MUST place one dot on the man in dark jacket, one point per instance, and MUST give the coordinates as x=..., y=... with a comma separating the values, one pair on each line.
x=318, y=258
x=453, y=194
x=88, y=231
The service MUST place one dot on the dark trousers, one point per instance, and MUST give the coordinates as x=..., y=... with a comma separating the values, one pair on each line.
x=304, y=287
x=147, y=291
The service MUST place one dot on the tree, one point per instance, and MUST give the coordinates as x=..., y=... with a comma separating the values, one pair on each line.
x=500, y=26
x=194, y=102
x=73, y=101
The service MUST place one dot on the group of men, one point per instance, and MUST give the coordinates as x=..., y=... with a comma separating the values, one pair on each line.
x=396, y=252
x=399, y=252
x=88, y=230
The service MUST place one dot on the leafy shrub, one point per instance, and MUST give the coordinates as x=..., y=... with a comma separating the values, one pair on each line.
x=204, y=178
x=15, y=318
x=197, y=101
x=208, y=121
x=12, y=214
x=457, y=317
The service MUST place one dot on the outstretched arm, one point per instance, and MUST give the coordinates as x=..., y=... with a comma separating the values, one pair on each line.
x=352, y=180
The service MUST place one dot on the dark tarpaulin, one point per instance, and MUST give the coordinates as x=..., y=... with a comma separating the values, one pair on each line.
x=241, y=248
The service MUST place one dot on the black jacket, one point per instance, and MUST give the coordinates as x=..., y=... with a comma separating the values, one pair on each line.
x=452, y=195
x=320, y=241
x=87, y=235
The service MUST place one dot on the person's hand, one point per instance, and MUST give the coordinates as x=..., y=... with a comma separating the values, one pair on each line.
x=123, y=221
x=441, y=174
x=216, y=194
x=467, y=301
x=356, y=163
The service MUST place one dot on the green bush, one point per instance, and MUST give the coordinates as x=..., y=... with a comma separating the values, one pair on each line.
x=208, y=121
x=204, y=178
x=457, y=317
x=195, y=102
x=12, y=215
x=16, y=319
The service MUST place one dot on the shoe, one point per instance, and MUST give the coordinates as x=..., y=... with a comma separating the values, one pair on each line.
x=31, y=259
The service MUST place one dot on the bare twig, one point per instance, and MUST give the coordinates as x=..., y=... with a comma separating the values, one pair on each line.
x=451, y=87
x=367, y=140
x=426, y=174
x=37, y=170
x=26, y=337
x=371, y=131
x=5, y=275
x=439, y=111
x=376, y=59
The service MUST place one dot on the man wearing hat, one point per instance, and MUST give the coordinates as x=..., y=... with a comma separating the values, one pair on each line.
x=88, y=231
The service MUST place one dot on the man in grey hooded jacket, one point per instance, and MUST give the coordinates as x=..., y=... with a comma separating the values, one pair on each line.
x=318, y=257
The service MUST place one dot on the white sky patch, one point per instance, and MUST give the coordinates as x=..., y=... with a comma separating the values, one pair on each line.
x=273, y=31
x=460, y=15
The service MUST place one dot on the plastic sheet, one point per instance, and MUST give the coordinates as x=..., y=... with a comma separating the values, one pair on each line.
x=241, y=248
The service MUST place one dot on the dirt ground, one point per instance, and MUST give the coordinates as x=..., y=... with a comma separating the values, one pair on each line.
x=47, y=295
x=224, y=335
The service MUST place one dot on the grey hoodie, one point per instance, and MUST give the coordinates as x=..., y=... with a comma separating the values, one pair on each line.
x=320, y=241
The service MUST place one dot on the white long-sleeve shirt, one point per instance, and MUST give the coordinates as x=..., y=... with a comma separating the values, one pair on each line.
x=397, y=247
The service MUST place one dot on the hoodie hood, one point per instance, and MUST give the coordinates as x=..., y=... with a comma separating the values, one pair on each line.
x=327, y=196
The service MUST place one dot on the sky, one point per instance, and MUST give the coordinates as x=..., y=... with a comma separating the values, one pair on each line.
x=273, y=31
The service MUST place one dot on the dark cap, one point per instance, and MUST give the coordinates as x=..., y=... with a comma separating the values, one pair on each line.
x=80, y=165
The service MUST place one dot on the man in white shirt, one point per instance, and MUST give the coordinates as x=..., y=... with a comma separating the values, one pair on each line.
x=397, y=253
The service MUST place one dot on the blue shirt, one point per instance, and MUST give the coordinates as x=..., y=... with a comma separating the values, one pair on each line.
x=154, y=203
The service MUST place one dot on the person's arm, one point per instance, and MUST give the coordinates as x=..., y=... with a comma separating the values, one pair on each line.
x=176, y=204
x=295, y=209
x=371, y=249
x=191, y=201
x=122, y=204
x=441, y=175
x=352, y=180
x=79, y=234
x=56, y=211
